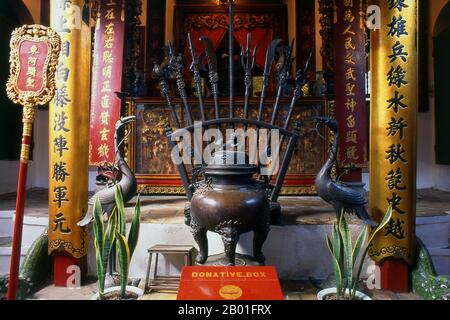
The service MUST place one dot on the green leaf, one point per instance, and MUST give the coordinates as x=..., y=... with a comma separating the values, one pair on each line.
x=100, y=271
x=121, y=211
x=337, y=243
x=336, y=268
x=347, y=248
x=356, y=250
x=387, y=217
x=124, y=261
x=98, y=224
x=99, y=245
x=359, y=244
x=110, y=236
x=383, y=223
x=133, y=236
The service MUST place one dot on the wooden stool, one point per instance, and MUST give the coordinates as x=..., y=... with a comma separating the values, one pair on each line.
x=166, y=283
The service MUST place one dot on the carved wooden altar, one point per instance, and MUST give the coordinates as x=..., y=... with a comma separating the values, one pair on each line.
x=150, y=159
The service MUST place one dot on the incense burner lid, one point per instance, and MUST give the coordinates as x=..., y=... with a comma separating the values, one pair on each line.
x=230, y=162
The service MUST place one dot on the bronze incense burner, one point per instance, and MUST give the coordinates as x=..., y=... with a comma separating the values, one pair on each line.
x=229, y=202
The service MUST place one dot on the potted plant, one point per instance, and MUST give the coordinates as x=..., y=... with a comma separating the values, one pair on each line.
x=104, y=240
x=345, y=258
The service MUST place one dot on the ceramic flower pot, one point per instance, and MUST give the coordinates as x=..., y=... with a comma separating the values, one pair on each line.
x=130, y=289
x=322, y=295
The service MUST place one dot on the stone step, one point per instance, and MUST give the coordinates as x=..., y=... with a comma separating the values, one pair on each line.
x=434, y=230
x=441, y=260
x=6, y=241
x=32, y=228
x=6, y=223
x=5, y=257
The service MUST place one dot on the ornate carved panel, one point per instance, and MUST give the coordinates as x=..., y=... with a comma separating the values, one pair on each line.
x=213, y=16
x=150, y=156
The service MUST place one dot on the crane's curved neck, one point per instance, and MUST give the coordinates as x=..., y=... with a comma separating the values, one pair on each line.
x=326, y=169
x=125, y=170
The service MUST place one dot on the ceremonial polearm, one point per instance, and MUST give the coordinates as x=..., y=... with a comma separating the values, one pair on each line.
x=349, y=45
x=107, y=70
x=393, y=139
x=68, y=141
x=34, y=57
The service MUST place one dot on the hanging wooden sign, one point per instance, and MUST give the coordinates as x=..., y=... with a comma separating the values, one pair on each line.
x=106, y=79
x=350, y=74
x=33, y=60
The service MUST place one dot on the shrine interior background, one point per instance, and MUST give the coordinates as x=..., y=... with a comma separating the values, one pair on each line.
x=161, y=23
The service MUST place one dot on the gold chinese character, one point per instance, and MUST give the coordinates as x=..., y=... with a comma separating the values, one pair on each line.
x=348, y=31
x=350, y=89
x=31, y=71
x=350, y=58
x=350, y=104
x=33, y=50
x=350, y=74
x=351, y=121
x=105, y=101
x=110, y=14
x=108, y=57
x=109, y=42
x=107, y=72
x=109, y=28
x=104, y=134
x=350, y=153
x=352, y=137
x=349, y=44
x=30, y=82
x=32, y=61
x=103, y=151
x=348, y=3
x=348, y=16
x=104, y=117
x=106, y=86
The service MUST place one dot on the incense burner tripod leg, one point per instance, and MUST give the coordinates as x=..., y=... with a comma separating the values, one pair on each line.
x=199, y=234
x=260, y=236
x=230, y=237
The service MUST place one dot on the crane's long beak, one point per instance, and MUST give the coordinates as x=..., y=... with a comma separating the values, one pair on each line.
x=319, y=119
x=129, y=119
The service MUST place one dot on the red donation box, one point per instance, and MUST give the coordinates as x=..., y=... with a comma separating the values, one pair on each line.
x=229, y=283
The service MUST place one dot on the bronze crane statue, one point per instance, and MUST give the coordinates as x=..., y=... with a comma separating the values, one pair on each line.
x=127, y=180
x=343, y=198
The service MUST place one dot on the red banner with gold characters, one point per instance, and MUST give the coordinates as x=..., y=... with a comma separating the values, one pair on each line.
x=69, y=130
x=106, y=79
x=349, y=78
x=229, y=283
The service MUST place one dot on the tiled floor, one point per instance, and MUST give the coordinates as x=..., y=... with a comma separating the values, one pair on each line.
x=293, y=290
